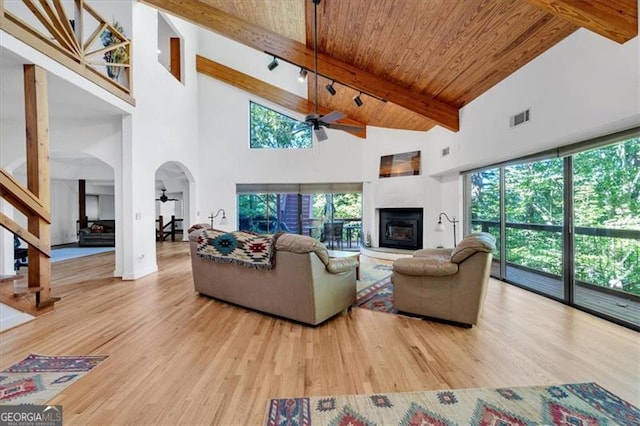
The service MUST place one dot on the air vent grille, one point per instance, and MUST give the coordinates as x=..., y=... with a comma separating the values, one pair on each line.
x=519, y=118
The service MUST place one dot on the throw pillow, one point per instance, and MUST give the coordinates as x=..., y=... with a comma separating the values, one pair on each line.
x=97, y=229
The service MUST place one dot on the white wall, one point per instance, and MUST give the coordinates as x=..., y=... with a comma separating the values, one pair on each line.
x=163, y=127
x=585, y=86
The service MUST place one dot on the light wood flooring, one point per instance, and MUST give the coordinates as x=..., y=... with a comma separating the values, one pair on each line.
x=180, y=358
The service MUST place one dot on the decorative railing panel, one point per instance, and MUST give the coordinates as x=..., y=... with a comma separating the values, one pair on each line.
x=76, y=35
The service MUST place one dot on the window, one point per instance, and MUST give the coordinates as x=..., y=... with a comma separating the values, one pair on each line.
x=307, y=209
x=169, y=47
x=569, y=222
x=270, y=129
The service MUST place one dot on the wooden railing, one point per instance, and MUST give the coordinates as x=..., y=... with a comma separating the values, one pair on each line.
x=28, y=204
x=63, y=38
x=162, y=233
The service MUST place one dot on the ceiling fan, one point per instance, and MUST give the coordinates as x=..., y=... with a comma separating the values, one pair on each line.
x=316, y=121
x=163, y=198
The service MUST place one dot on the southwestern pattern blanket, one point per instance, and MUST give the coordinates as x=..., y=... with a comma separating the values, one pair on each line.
x=242, y=248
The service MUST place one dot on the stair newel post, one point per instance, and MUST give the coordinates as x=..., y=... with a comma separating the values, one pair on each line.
x=38, y=179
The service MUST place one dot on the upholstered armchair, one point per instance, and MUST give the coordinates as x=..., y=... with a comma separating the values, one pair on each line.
x=447, y=284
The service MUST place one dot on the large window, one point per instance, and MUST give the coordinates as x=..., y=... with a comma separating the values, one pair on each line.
x=569, y=220
x=270, y=129
x=331, y=213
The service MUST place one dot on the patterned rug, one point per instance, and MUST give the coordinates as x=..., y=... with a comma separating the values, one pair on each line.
x=38, y=378
x=585, y=404
x=377, y=297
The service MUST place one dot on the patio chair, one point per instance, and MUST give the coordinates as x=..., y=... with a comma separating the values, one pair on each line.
x=332, y=233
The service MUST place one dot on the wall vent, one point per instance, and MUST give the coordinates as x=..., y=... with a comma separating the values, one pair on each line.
x=519, y=118
x=445, y=151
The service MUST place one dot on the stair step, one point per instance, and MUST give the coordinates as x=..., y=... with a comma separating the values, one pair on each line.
x=23, y=291
x=9, y=278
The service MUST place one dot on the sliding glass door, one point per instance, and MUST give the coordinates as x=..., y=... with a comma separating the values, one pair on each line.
x=334, y=218
x=485, y=209
x=534, y=219
x=607, y=229
x=568, y=224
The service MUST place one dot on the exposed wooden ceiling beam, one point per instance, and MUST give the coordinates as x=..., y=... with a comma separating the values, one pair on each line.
x=614, y=19
x=265, y=90
x=298, y=54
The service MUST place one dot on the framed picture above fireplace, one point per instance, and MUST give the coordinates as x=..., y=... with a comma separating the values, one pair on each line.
x=403, y=164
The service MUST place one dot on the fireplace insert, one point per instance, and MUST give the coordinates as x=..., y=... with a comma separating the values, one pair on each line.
x=401, y=228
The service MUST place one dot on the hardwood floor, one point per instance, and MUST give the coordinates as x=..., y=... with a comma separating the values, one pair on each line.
x=180, y=358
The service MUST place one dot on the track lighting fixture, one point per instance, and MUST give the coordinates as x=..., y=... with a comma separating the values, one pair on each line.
x=330, y=89
x=273, y=64
x=357, y=100
x=302, y=76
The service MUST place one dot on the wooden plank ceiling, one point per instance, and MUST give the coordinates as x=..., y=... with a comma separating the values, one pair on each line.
x=444, y=52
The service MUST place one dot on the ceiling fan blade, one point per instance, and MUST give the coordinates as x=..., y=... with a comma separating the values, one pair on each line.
x=321, y=134
x=345, y=127
x=333, y=116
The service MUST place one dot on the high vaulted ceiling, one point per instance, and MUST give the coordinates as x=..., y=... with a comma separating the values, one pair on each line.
x=425, y=58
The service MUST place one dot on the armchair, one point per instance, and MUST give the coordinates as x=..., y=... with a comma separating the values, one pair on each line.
x=447, y=284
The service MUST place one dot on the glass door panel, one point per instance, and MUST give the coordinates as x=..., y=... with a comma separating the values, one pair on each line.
x=485, y=209
x=534, y=218
x=607, y=230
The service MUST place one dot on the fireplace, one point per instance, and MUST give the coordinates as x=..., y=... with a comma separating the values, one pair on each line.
x=401, y=228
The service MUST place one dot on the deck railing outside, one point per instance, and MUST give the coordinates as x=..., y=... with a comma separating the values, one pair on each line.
x=605, y=258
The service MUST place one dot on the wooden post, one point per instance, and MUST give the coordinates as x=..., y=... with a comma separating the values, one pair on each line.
x=160, y=229
x=37, y=128
x=82, y=203
x=173, y=228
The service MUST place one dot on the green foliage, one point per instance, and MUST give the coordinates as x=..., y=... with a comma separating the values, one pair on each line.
x=270, y=129
x=606, y=196
x=346, y=206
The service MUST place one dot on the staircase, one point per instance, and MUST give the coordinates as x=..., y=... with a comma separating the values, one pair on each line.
x=33, y=201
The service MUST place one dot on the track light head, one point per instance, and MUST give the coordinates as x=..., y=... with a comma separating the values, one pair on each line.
x=273, y=64
x=330, y=89
x=303, y=75
x=357, y=100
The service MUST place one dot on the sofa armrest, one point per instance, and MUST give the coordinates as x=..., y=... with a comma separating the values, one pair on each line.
x=342, y=264
x=441, y=252
x=422, y=266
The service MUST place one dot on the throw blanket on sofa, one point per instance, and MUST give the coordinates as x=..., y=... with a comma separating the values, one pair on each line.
x=242, y=248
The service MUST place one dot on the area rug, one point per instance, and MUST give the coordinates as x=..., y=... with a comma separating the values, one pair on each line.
x=66, y=253
x=377, y=297
x=585, y=404
x=372, y=272
x=38, y=378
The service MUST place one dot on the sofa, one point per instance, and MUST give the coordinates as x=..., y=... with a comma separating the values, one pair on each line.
x=445, y=284
x=304, y=284
x=100, y=233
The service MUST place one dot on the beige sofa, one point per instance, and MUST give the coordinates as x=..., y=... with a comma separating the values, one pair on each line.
x=305, y=285
x=448, y=284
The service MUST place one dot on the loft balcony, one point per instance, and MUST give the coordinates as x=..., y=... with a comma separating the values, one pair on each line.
x=76, y=35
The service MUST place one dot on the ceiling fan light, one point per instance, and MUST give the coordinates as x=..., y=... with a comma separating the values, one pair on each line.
x=330, y=89
x=303, y=75
x=273, y=64
x=357, y=100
